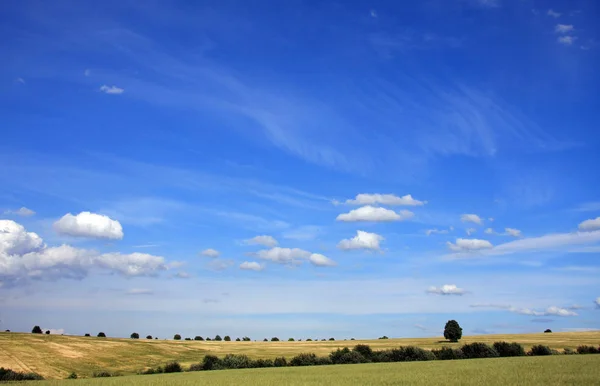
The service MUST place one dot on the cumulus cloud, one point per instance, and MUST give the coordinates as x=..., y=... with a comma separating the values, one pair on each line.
x=114, y=90
x=362, y=240
x=374, y=214
x=489, y=231
x=553, y=13
x=466, y=245
x=563, y=28
x=22, y=211
x=385, y=199
x=550, y=311
x=471, y=218
x=430, y=232
x=567, y=40
x=139, y=291
x=513, y=232
x=293, y=256
x=24, y=256
x=91, y=225
x=446, y=289
x=267, y=241
x=470, y=231
x=251, y=266
x=590, y=225
x=210, y=253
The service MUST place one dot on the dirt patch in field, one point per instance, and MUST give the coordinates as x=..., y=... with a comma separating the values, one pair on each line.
x=66, y=351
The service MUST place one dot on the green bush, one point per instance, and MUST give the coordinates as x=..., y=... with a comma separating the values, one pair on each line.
x=259, y=363
x=539, y=349
x=7, y=375
x=173, y=367
x=236, y=361
x=246, y=339
x=280, y=362
x=479, y=350
x=382, y=356
x=447, y=353
x=265, y=340
x=102, y=374
x=332, y=339
x=410, y=354
x=304, y=359
x=238, y=340
x=87, y=335
x=588, y=350
x=351, y=357
x=309, y=340
x=72, y=376
x=188, y=338
x=211, y=362
x=196, y=367
x=384, y=337
x=36, y=330
x=364, y=350
x=336, y=355
x=506, y=349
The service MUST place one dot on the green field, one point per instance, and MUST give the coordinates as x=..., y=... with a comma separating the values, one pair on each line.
x=550, y=370
x=55, y=356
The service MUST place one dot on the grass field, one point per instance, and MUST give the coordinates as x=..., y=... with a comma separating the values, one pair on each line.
x=552, y=370
x=55, y=356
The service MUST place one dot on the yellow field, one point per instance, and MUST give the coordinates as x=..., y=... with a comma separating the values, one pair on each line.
x=55, y=356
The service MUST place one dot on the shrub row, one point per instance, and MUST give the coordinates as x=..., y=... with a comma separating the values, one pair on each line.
x=7, y=375
x=363, y=353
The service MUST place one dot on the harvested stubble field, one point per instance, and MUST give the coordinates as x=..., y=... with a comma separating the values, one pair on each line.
x=549, y=370
x=55, y=356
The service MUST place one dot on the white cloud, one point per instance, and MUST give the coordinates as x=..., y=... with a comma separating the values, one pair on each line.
x=210, y=253
x=590, y=225
x=471, y=218
x=550, y=311
x=563, y=28
x=553, y=13
x=23, y=211
x=293, y=256
x=111, y=90
x=513, y=232
x=23, y=256
x=385, y=199
x=182, y=275
x=139, y=291
x=430, y=232
x=597, y=302
x=374, y=214
x=91, y=225
x=267, y=241
x=489, y=231
x=362, y=240
x=251, y=266
x=446, y=289
x=466, y=245
x=566, y=40
x=219, y=264
x=470, y=231
x=321, y=261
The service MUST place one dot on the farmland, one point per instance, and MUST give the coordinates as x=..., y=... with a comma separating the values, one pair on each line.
x=551, y=370
x=55, y=356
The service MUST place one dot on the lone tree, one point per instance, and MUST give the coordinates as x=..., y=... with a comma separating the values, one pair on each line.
x=47, y=332
x=198, y=337
x=548, y=330
x=177, y=337
x=149, y=337
x=452, y=331
x=218, y=338
x=227, y=338
x=275, y=339
x=101, y=335
x=135, y=335
x=87, y=335
x=36, y=330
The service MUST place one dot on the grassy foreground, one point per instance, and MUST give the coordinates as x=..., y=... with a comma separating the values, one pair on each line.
x=550, y=370
x=54, y=356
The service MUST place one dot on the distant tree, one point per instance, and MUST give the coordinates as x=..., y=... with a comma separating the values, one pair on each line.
x=309, y=340
x=156, y=337
x=227, y=338
x=101, y=335
x=291, y=340
x=323, y=340
x=6, y=330
x=47, y=332
x=36, y=330
x=331, y=338
x=351, y=338
x=188, y=338
x=198, y=338
x=265, y=340
x=384, y=337
x=275, y=339
x=208, y=339
x=238, y=340
x=87, y=335
x=452, y=331
x=246, y=339
x=149, y=337
x=177, y=337
x=135, y=335
x=218, y=338
x=548, y=330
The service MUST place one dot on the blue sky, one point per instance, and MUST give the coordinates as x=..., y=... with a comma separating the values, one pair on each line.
x=299, y=169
